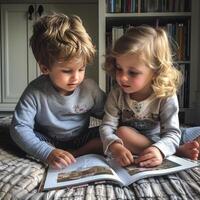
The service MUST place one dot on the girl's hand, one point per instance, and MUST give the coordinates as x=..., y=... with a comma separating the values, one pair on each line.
x=59, y=158
x=122, y=155
x=150, y=157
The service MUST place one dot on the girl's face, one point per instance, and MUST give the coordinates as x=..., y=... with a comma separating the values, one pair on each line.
x=133, y=76
x=66, y=76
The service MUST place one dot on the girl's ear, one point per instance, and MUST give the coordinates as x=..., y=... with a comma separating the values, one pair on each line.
x=44, y=69
x=155, y=74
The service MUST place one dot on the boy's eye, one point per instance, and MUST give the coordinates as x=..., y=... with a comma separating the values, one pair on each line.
x=66, y=71
x=71, y=71
x=82, y=69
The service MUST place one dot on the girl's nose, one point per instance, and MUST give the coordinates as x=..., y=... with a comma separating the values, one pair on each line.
x=123, y=77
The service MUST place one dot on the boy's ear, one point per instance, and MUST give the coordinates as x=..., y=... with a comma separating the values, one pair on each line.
x=44, y=69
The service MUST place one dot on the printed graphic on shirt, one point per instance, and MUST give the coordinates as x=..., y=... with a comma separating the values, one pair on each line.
x=81, y=108
x=139, y=122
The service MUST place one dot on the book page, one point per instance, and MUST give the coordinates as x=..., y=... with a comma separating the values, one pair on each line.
x=88, y=168
x=133, y=172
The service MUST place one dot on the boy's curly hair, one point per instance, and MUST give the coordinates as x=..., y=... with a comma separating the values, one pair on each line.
x=152, y=46
x=58, y=36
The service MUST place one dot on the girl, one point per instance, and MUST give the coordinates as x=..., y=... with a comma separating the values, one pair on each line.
x=141, y=114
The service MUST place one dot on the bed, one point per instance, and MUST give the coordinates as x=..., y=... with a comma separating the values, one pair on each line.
x=20, y=178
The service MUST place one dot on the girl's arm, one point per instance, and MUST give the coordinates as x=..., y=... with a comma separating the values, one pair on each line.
x=110, y=122
x=169, y=123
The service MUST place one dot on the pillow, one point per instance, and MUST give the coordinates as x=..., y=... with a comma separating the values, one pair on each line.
x=6, y=141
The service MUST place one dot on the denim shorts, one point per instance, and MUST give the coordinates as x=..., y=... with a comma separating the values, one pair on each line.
x=74, y=143
x=189, y=134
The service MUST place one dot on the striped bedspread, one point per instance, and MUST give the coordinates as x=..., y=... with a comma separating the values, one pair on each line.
x=20, y=178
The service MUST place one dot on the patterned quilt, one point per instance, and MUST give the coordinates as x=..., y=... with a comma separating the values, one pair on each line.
x=20, y=178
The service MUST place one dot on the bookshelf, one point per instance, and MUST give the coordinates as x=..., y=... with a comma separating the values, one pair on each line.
x=180, y=19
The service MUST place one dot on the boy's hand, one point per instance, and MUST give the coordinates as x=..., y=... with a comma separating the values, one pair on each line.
x=150, y=157
x=59, y=158
x=123, y=156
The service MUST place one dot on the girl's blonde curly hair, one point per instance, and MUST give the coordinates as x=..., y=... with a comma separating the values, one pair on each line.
x=152, y=46
x=57, y=36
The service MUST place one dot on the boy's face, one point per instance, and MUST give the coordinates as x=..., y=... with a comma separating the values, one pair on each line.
x=66, y=75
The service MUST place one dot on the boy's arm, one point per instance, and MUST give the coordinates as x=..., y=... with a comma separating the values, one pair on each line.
x=99, y=97
x=22, y=129
x=169, y=123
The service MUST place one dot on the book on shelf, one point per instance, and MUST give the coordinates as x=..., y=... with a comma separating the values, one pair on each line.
x=142, y=6
x=96, y=168
x=184, y=91
x=117, y=32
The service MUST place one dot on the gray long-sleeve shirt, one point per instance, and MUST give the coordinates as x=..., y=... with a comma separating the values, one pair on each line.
x=42, y=109
x=156, y=118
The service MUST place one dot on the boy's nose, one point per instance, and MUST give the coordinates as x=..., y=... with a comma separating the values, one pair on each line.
x=75, y=75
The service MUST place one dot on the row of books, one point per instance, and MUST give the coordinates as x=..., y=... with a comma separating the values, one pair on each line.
x=183, y=93
x=138, y=6
x=178, y=32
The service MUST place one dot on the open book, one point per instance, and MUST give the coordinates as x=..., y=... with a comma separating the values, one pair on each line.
x=94, y=168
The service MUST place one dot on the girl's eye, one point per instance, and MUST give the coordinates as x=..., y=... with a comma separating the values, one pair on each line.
x=118, y=68
x=132, y=73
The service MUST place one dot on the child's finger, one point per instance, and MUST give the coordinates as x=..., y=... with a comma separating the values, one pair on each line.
x=64, y=161
x=130, y=157
x=70, y=156
x=150, y=163
x=56, y=165
x=144, y=157
x=126, y=160
x=120, y=161
x=146, y=163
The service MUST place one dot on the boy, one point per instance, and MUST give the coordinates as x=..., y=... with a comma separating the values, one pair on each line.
x=51, y=119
